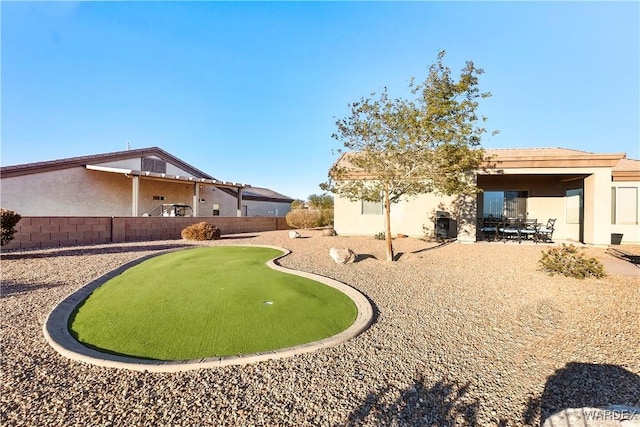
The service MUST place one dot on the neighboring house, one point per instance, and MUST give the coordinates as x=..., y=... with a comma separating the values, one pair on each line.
x=591, y=195
x=257, y=201
x=125, y=183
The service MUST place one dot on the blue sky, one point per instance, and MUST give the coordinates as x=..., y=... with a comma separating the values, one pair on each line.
x=250, y=92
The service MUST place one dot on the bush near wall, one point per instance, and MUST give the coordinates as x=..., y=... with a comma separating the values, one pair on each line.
x=201, y=231
x=310, y=218
x=8, y=219
x=570, y=262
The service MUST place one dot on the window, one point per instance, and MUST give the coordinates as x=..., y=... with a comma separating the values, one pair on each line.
x=574, y=203
x=150, y=164
x=216, y=209
x=371, y=208
x=510, y=204
x=624, y=205
x=158, y=197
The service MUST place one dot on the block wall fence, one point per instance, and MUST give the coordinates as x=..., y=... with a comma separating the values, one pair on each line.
x=55, y=231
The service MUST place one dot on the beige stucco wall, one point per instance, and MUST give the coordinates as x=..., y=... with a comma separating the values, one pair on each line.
x=547, y=189
x=68, y=192
x=81, y=192
x=409, y=216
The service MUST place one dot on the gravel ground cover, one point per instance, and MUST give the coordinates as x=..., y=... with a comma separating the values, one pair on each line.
x=464, y=335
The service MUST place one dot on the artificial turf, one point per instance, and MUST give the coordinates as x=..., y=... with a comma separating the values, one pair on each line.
x=208, y=302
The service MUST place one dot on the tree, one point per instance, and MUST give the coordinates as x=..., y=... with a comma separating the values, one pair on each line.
x=400, y=147
x=321, y=201
x=297, y=204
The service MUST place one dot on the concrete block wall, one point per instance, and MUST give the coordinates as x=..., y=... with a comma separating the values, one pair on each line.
x=43, y=232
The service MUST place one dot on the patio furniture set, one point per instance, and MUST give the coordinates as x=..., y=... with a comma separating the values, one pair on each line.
x=516, y=229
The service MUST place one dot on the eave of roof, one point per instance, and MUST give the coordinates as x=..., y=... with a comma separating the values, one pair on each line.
x=548, y=158
x=515, y=158
x=246, y=195
x=52, y=165
x=166, y=177
x=626, y=170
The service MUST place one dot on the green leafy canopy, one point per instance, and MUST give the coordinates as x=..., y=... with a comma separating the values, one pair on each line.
x=429, y=143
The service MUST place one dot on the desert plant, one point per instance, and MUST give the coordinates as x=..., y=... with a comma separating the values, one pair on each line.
x=201, y=231
x=9, y=220
x=570, y=262
x=304, y=218
x=379, y=236
x=326, y=217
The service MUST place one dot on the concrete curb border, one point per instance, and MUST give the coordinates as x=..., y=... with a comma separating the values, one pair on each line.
x=57, y=334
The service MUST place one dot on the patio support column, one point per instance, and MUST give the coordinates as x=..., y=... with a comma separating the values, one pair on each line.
x=597, y=208
x=135, y=196
x=196, y=199
x=467, y=208
x=239, y=207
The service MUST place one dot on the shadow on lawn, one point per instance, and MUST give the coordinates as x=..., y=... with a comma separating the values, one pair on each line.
x=444, y=403
x=580, y=385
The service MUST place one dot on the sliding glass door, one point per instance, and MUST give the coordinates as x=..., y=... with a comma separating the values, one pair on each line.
x=504, y=203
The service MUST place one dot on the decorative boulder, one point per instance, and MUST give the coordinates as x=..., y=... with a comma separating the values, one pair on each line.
x=294, y=234
x=328, y=232
x=342, y=255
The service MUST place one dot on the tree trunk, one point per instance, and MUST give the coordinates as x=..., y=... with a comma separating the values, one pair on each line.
x=387, y=218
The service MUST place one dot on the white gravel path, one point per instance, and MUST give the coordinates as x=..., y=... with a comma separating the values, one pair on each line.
x=464, y=335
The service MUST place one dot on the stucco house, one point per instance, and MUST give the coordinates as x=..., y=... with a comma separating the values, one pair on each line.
x=592, y=196
x=139, y=182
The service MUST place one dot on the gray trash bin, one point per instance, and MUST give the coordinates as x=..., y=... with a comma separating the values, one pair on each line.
x=616, y=238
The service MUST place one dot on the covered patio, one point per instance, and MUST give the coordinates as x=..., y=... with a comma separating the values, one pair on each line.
x=574, y=188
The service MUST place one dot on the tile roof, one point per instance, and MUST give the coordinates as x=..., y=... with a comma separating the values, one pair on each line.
x=530, y=157
x=628, y=165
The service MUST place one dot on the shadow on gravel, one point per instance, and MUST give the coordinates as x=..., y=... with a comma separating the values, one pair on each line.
x=438, y=246
x=625, y=256
x=236, y=237
x=580, y=385
x=10, y=288
x=362, y=257
x=442, y=404
x=84, y=250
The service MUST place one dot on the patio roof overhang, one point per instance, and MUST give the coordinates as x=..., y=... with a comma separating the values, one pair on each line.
x=553, y=161
x=137, y=175
x=166, y=177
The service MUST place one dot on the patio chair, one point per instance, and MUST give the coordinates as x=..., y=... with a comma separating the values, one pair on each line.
x=489, y=228
x=545, y=233
x=510, y=229
x=529, y=229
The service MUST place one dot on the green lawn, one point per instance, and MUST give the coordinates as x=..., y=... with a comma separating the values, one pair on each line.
x=208, y=302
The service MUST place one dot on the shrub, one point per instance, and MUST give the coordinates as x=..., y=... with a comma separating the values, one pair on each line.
x=304, y=218
x=9, y=220
x=327, y=217
x=201, y=231
x=568, y=261
x=380, y=236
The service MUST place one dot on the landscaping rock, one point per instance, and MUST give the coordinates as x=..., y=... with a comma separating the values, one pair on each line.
x=328, y=232
x=342, y=255
x=294, y=234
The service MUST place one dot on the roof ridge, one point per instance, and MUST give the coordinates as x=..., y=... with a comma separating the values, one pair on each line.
x=540, y=149
x=67, y=162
